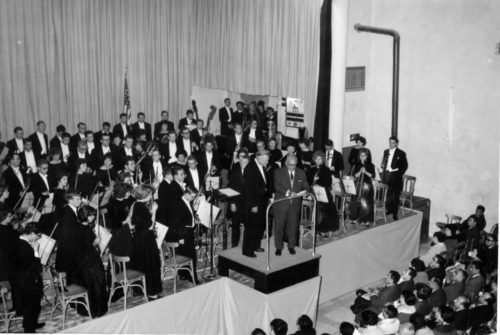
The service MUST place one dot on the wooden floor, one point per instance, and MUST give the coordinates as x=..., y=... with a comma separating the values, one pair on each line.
x=330, y=314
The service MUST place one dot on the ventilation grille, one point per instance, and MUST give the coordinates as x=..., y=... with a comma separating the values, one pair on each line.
x=355, y=79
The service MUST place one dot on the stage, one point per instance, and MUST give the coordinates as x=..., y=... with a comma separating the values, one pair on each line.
x=284, y=270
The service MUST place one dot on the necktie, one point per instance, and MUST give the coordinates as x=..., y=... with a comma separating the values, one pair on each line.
x=291, y=178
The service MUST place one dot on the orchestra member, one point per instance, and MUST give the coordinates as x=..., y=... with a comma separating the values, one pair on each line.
x=159, y=125
x=164, y=196
x=225, y=118
x=288, y=181
x=15, y=178
x=394, y=166
x=56, y=166
x=208, y=159
x=354, y=154
x=78, y=137
x=235, y=141
x=28, y=157
x=188, y=120
x=16, y=145
x=56, y=141
x=181, y=157
x=255, y=195
x=364, y=171
x=275, y=154
x=106, y=129
x=252, y=135
x=236, y=205
x=304, y=156
x=97, y=158
x=122, y=129
x=106, y=174
x=76, y=156
x=141, y=124
x=119, y=206
x=238, y=114
x=82, y=181
x=194, y=177
x=40, y=185
x=261, y=112
x=197, y=134
x=127, y=149
x=40, y=141
x=169, y=149
x=89, y=136
x=185, y=143
x=155, y=167
x=334, y=160
x=65, y=151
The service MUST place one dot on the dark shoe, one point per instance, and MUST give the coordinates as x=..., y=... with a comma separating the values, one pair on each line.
x=278, y=252
x=252, y=255
x=395, y=217
x=153, y=297
x=260, y=250
x=292, y=251
x=40, y=325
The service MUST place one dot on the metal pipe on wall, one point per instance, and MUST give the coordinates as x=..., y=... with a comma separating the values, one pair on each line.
x=395, y=68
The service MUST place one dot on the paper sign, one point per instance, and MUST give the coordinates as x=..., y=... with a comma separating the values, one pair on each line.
x=161, y=232
x=204, y=213
x=320, y=193
x=45, y=247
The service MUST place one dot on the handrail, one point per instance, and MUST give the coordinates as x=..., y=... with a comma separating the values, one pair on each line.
x=313, y=220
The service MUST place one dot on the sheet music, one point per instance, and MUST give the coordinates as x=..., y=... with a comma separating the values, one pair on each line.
x=320, y=193
x=45, y=247
x=229, y=192
x=105, y=236
x=49, y=200
x=350, y=187
x=336, y=189
x=204, y=213
x=161, y=232
x=27, y=200
x=212, y=182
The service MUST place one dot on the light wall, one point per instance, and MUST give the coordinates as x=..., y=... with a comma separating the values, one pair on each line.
x=446, y=46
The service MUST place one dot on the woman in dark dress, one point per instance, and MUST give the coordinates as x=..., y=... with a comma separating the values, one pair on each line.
x=59, y=191
x=145, y=254
x=106, y=174
x=364, y=171
x=327, y=218
x=56, y=166
x=275, y=154
x=304, y=156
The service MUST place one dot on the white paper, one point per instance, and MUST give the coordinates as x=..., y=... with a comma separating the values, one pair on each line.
x=45, y=247
x=105, y=236
x=161, y=232
x=191, y=126
x=204, y=213
x=320, y=193
x=212, y=182
x=49, y=200
x=350, y=187
x=229, y=192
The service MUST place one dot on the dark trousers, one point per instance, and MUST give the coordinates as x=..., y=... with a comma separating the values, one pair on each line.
x=286, y=221
x=236, y=220
x=188, y=249
x=29, y=293
x=253, y=233
x=394, y=182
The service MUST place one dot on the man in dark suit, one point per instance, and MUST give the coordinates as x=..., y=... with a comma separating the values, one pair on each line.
x=208, y=159
x=236, y=205
x=175, y=191
x=66, y=234
x=40, y=140
x=169, y=149
x=226, y=117
x=475, y=282
x=122, y=129
x=389, y=293
x=141, y=124
x=81, y=153
x=333, y=160
x=56, y=141
x=288, y=181
x=188, y=120
x=97, y=158
x=394, y=166
x=164, y=196
x=184, y=142
x=239, y=114
x=28, y=157
x=235, y=141
x=255, y=195
x=106, y=129
x=79, y=136
x=16, y=145
x=164, y=119
x=126, y=150
x=153, y=167
x=39, y=184
x=197, y=133
x=438, y=295
x=15, y=178
x=194, y=177
x=457, y=286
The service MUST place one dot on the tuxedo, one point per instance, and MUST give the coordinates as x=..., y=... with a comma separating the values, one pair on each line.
x=66, y=233
x=122, y=155
x=97, y=157
x=184, y=122
x=183, y=146
x=55, y=142
x=14, y=185
x=24, y=160
x=225, y=118
x=136, y=129
x=166, y=152
x=286, y=213
x=150, y=173
x=73, y=141
x=84, y=184
x=74, y=159
x=12, y=146
x=251, y=144
x=238, y=117
x=37, y=146
x=236, y=182
x=165, y=193
x=394, y=178
x=255, y=194
x=157, y=128
x=232, y=144
x=98, y=136
x=118, y=130
x=38, y=187
x=334, y=160
x=184, y=223
x=196, y=136
x=203, y=165
x=190, y=179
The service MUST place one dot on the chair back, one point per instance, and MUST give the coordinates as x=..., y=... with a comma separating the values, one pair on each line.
x=451, y=218
x=118, y=264
x=380, y=194
x=307, y=212
x=61, y=283
x=5, y=307
x=171, y=246
x=409, y=184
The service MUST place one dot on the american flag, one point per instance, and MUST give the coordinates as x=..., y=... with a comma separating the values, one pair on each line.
x=126, y=101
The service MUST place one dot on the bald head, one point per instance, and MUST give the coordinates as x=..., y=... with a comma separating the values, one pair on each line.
x=291, y=162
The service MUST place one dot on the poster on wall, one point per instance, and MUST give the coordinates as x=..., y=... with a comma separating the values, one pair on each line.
x=294, y=112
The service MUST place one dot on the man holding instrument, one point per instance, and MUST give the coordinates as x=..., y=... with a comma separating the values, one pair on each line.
x=15, y=179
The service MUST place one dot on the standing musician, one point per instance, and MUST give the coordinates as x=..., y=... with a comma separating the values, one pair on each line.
x=106, y=129
x=106, y=174
x=141, y=124
x=130, y=170
x=173, y=194
x=16, y=145
x=79, y=136
x=185, y=143
x=252, y=135
x=354, y=154
x=40, y=140
x=197, y=133
x=225, y=118
x=194, y=177
x=255, y=195
x=235, y=141
x=56, y=141
x=28, y=158
x=169, y=125
x=188, y=120
x=97, y=158
x=165, y=195
x=208, y=159
x=239, y=114
x=155, y=167
x=288, y=181
x=122, y=129
x=169, y=149
x=364, y=171
x=16, y=180
x=82, y=181
x=394, y=166
x=40, y=184
x=334, y=160
x=236, y=182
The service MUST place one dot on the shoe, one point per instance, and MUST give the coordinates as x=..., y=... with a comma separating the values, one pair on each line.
x=260, y=250
x=278, y=252
x=252, y=255
x=153, y=297
x=39, y=325
x=292, y=251
x=395, y=217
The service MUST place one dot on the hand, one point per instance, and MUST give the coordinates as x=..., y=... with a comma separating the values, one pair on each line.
x=154, y=208
x=233, y=208
x=332, y=168
x=46, y=194
x=363, y=169
x=97, y=241
x=181, y=241
x=255, y=209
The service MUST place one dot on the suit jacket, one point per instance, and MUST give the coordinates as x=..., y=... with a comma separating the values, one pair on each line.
x=12, y=146
x=407, y=285
x=24, y=160
x=164, y=197
x=179, y=220
x=122, y=155
x=184, y=122
x=224, y=120
x=232, y=144
x=98, y=136
x=203, y=164
x=73, y=142
x=136, y=130
x=255, y=190
x=66, y=234
x=73, y=161
x=236, y=182
x=14, y=185
x=181, y=146
x=148, y=169
x=97, y=157
x=38, y=186
x=117, y=129
x=282, y=184
x=195, y=136
x=252, y=146
x=37, y=146
x=55, y=142
x=473, y=285
x=190, y=178
x=453, y=291
x=337, y=163
x=398, y=161
x=386, y=295
x=437, y=298
x=84, y=184
x=157, y=128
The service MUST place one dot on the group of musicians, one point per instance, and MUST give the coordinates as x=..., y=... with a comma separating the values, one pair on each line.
x=157, y=174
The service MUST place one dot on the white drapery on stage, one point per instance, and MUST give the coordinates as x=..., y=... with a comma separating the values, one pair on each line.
x=221, y=307
x=63, y=61
x=364, y=258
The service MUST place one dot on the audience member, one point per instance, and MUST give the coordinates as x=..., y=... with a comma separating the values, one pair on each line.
x=278, y=327
x=389, y=322
x=305, y=325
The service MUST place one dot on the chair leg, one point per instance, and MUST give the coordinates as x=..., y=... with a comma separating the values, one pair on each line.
x=301, y=235
x=111, y=292
x=174, y=271
x=87, y=304
x=144, y=291
x=7, y=324
x=192, y=272
x=63, y=305
x=125, y=293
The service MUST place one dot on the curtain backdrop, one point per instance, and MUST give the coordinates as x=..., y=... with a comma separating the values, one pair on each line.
x=63, y=61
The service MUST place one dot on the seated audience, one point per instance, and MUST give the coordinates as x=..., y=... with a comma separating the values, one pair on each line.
x=438, y=295
x=406, y=306
x=389, y=322
x=481, y=312
x=456, y=287
x=445, y=316
x=419, y=266
x=437, y=268
x=419, y=324
x=423, y=292
x=368, y=325
x=406, y=282
x=475, y=282
x=437, y=247
x=305, y=325
x=461, y=306
x=278, y=327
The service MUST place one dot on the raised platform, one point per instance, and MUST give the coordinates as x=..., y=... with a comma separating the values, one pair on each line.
x=285, y=270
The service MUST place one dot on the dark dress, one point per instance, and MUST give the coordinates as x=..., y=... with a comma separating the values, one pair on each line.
x=55, y=170
x=104, y=176
x=327, y=218
x=365, y=192
x=305, y=160
x=275, y=155
x=145, y=254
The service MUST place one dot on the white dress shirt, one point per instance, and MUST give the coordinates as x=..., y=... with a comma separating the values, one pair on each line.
x=30, y=159
x=238, y=139
x=228, y=114
x=90, y=147
x=389, y=161
x=128, y=151
x=141, y=125
x=32, y=246
x=81, y=155
x=19, y=176
x=105, y=150
x=252, y=133
x=187, y=146
x=172, y=149
x=209, y=156
x=261, y=169
x=45, y=180
x=196, y=178
x=65, y=152
x=190, y=210
x=124, y=128
x=158, y=170
x=41, y=138
x=329, y=157
x=20, y=144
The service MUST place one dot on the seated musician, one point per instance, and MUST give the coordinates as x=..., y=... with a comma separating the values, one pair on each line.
x=82, y=181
